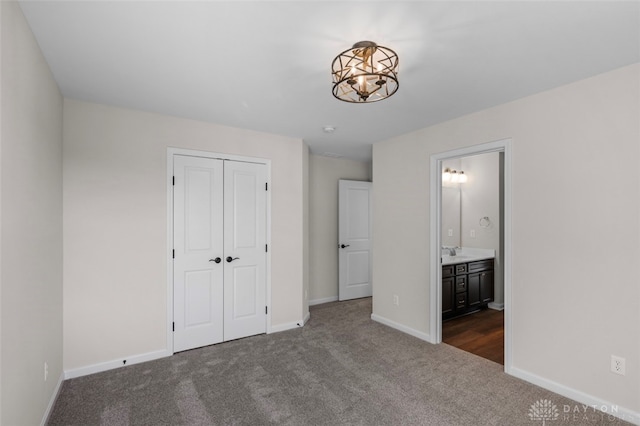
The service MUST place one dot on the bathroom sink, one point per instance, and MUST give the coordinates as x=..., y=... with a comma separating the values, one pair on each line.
x=467, y=254
x=448, y=260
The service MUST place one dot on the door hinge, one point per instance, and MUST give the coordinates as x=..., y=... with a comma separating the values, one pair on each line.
x=173, y=253
x=174, y=326
x=266, y=247
x=266, y=310
x=173, y=181
x=266, y=186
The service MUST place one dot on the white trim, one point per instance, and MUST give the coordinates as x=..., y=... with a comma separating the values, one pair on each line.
x=581, y=397
x=206, y=154
x=217, y=155
x=116, y=363
x=285, y=327
x=169, y=254
x=306, y=318
x=435, y=306
x=496, y=306
x=52, y=401
x=413, y=332
x=435, y=261
x=323, y=300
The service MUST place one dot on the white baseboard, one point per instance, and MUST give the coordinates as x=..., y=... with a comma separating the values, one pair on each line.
x=589, y=401
x=285, y=327
x=116, y=363
x=323, y=300
x=415, y=333
x=306, y=318
x=52, y=401
x=496, y=306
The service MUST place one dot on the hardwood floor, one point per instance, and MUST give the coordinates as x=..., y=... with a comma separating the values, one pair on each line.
x=481, y=333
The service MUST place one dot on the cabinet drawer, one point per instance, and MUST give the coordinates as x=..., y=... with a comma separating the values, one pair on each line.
x=461, y=300
x=447, y=271
x=461, y=268
x=481, y=265
x=461, y=283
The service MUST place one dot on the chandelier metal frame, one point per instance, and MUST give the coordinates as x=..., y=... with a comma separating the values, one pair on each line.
x=365, y=73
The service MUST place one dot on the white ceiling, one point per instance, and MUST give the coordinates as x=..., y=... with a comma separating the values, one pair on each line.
x=265, y=65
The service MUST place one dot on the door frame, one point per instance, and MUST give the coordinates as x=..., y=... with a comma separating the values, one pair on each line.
x=169, y=253
x=435, y=190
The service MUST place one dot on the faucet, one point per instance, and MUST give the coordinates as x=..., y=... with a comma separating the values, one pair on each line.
x=452, y=250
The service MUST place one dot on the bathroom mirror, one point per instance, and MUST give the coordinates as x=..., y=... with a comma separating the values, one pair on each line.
x=451, y=236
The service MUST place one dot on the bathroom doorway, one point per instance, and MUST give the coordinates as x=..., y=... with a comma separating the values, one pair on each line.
x=472, y=289
x=470, y=278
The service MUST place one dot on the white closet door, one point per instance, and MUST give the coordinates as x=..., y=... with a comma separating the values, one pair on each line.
x=198, y=242
x=244, y=250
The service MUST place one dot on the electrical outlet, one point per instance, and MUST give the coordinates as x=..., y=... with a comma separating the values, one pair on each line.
x=618, y=365
x=46, y=371
x=396, y=300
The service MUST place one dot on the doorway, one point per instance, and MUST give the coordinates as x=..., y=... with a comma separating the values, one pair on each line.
x=503, y=253
x=219, y=244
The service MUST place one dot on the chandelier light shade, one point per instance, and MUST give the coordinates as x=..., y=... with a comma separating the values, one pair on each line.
x=365, y=73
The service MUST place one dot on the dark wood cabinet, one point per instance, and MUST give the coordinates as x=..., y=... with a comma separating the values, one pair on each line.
x=466, y=287
x=474, y=290
x=448, y=295
x=486, y=287
x=448, y=290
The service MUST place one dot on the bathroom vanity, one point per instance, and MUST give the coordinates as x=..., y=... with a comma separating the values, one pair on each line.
x=467, y=284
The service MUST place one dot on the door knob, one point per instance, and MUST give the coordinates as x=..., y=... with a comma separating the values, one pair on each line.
x=231, y=259
x=344, y=245
x=217, y=260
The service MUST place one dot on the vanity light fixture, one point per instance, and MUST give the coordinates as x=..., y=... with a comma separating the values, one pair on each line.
x=365, y=73
x=453, y=176
x=446, y=175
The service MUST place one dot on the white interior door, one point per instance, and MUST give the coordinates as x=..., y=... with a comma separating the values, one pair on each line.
x=354, y=247
x=244, y=250
x=219, y=279
x=198, y=242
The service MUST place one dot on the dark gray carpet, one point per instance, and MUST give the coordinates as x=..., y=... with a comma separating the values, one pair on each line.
x=340, y=368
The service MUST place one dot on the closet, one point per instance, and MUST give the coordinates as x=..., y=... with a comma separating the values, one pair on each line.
x=219, y=250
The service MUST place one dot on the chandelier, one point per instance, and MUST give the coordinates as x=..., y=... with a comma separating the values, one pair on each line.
x=365, y=73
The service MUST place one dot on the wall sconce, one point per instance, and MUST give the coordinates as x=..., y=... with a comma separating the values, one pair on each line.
x=453, y=176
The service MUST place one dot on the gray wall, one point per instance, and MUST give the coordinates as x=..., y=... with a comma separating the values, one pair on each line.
x=574, y=223
x=31, y=227
x=115, y=226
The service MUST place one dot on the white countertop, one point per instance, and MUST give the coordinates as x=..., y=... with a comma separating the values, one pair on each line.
x=467, y=254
